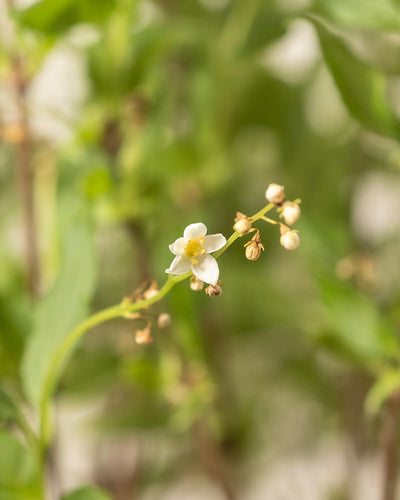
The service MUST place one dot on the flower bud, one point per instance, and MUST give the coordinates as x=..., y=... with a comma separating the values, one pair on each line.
x=151, y=291
x=290, y=239
x=214, y=290
x=144, y=336
x=242, y=223
x=275, y=193
x=164, y=320
x=254, y=247
x=196, y=284
x=290, y=212
x=253, y=251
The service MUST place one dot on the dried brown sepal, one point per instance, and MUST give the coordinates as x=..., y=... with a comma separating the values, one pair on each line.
x=254, y=247
x=214, y=290
x=144, y=336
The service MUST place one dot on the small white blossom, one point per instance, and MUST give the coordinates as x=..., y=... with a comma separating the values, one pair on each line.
x=193, y=253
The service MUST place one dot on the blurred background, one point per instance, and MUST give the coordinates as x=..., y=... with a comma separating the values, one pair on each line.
x=123, y=121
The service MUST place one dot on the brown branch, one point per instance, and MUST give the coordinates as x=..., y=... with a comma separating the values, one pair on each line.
x=390, y=433
x=25, y=174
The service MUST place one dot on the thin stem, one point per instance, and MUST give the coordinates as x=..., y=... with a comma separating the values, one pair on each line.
x=270, y=221
x=389, y=446
x=119, y=310
x=59, y=357
x=24, y=169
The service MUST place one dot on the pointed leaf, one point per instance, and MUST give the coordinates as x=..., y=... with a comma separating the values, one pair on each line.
x=62, y=309
x=362, y=87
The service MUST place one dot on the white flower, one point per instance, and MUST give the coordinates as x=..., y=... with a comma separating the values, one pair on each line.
x=192, y=253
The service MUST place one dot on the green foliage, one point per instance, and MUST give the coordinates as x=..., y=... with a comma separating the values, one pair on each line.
x=387, y=384
x=54, y=17
x=368, y=14
x=362, y=87
x=355, y=327
x=86, y=493
x=17, y=478
x=186, y=117
x=75, y=283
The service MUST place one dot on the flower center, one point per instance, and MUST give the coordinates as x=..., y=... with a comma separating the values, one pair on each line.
x=194, y=247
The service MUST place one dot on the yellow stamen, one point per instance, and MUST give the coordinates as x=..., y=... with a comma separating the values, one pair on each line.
x=194, y=247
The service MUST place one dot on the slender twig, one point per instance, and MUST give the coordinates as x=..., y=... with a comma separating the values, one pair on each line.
x=24, y=167
x=212, y=458
x=390, y=433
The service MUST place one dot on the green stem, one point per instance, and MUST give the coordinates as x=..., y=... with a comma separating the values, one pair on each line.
x=119, y=310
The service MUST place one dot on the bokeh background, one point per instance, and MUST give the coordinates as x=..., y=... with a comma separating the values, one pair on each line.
x=123, y=121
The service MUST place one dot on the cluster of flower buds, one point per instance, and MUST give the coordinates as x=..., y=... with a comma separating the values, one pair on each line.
x=289, y=211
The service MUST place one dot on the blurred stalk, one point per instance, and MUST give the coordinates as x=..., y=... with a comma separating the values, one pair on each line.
x=390, y=434
x=24, y=166
x=212, y=458
x=238, y=26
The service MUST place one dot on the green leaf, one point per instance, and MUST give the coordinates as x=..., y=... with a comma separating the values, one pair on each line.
x=53, y=16
x=16, y=464
x=355, y=327
x=362, y=87
x=62, y=309
x=9, y=411
x=368, y=14
x=384, y=387
x=86, y=493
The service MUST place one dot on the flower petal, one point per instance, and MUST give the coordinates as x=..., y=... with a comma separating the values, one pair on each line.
x=178, y=246
x=194, y=231
x=180, y=265
x=207, y=269
x=214, y=242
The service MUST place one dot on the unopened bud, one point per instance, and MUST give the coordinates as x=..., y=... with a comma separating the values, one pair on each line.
x=275, y=193
x=151, y=291
x=290, y=239
x=144, y=336
x=196, y=284
x=164, y=320
x=242, y=223
x=254, y=247
x=214, y=290
x=290, y=212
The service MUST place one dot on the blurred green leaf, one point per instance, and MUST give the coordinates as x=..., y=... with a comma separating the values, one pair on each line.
x=16, y=464
x=370, y=14
x=62, y=309
x=355, y=325
x=387, y=384
x=9, y=411
x=53, y=16
x=86, y=493
x=362, y=87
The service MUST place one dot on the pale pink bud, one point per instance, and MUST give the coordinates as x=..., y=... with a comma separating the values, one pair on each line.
x=164, y=320
x=290, y=239
x=242, y=223
x=275, y=193
x=196, y=284
x=290, y=212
